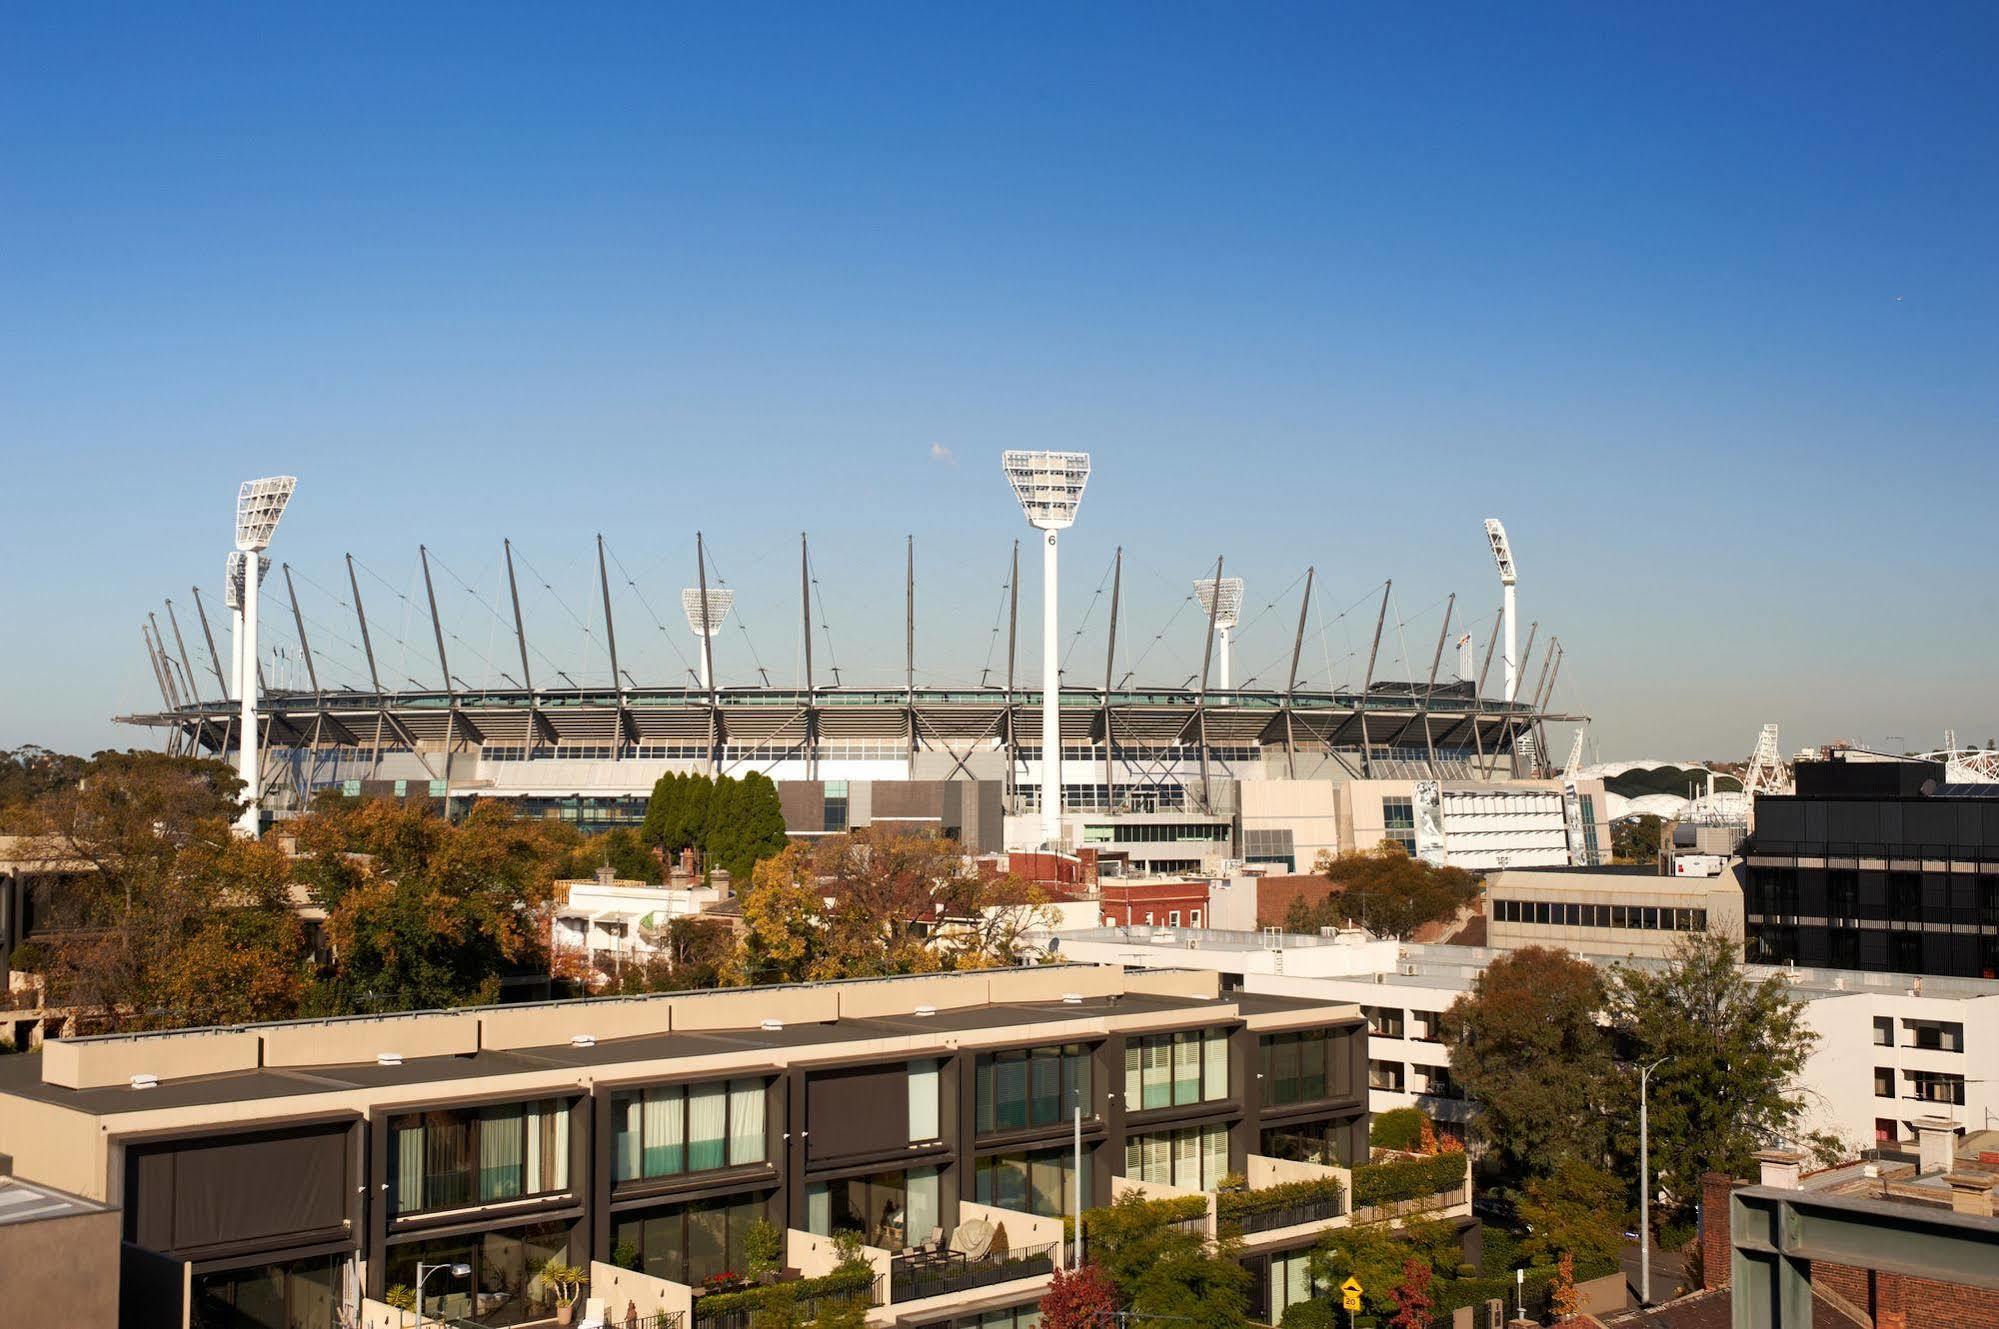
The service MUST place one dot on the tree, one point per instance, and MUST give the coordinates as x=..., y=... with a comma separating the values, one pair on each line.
x=677, y=813
x=784, y=939
x=31, y=772
x=1162, y=1271
x=1636, y=839
x=1378, y=1255
x=1386, y=890
x=623, y=849
x=1079, y=1298
x=1526, y=1045
x=1578, y=1210
x=1730, y=1052
x=890, y=893
x=1412, y=1296
x=1563, y=1298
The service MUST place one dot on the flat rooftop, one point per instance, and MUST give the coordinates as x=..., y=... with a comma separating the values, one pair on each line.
x=31, y=1202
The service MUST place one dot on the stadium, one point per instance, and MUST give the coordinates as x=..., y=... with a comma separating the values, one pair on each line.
x=1200, y=759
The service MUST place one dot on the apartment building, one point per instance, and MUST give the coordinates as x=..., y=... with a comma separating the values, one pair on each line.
x=1610, y=911
x=642, y=1137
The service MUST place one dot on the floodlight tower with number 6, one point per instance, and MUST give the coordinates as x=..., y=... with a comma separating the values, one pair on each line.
x=1049, y=486
x=1221, y=601
x=1509, y=576
x=259, y=505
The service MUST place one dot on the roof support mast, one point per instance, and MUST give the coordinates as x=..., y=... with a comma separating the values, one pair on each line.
x=611, y=641
x=1367, y=683
x=1012, y=658
x=451, y=696
x=1201, y=701
x=1291, y=678
x=1430, y=688
x=260, y=504
x=805, y=622
x=1110, y=664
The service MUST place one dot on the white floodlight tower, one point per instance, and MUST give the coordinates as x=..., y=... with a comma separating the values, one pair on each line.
x=1222, y=602
x=259, y=505
x=232, y=596
x=706, y=621
x=1509, y=576
x=1049, y=486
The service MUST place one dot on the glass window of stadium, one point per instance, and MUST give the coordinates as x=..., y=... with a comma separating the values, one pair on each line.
x=505, y=1287
x=304, y=1294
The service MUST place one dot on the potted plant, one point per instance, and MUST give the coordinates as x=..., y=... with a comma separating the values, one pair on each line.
x=565, y=1282
x=402, y=1299
x=763, y=1250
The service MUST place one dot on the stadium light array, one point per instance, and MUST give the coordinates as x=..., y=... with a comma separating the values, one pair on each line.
x=705, y=618
x=1509, y=577
x=1222, y=601
x=260, y=504
x=1049, y=486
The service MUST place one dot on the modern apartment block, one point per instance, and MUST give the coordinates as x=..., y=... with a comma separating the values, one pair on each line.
x=287, y=1175
x=1876, y=864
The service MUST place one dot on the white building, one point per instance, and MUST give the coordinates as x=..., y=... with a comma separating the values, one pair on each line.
x=609, y=921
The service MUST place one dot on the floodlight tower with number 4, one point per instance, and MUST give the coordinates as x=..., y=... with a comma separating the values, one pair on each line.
x=1509, y=576
x=259, y=506
x=1221, y=601
x=705, y=617
x=1049, y=486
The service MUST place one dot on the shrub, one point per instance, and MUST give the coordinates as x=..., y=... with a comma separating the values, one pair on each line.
x=1240, y=1204
x=776, y=1296
x=1401, y=1128
x=30, y=957
x=1314, y=1314
x=1406, y=1179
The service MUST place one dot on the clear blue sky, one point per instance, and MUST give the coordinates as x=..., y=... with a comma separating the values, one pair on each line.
x=1703, y=301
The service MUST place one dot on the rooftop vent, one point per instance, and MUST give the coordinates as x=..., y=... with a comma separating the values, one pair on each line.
x=772, y=1026
x=388, y=1058
x=1072, y=999
x=583, y=1040
x=145, y=1080
x=926, y=1010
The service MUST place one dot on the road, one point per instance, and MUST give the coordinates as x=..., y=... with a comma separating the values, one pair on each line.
x=1665, y=1270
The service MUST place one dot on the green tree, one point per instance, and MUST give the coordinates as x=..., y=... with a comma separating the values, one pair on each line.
x=677, y=813
x=1526, y=1045
x=784, y=940
x=1577, y=1210
x=1376, y=1254
x=1730, y=1053
x=1162, y=1271
x=1636, y=839
x=1385, y=889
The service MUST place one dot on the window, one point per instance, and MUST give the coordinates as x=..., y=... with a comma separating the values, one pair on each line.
x=892, y=1210
x=925, y=1108
x=302, y=1294
x=1302, y=1067
x=1884, y=1130
x=452, y=1158
x=1884, y=1031
x=1031, y=1087
x=688, y=1128
x=1936, y=1087
x=1384, y=1075
x=1398, y=822
x=1172, y=1070
x=1195, y=1158
x=1884, y=1082
x=835, y=819
x=1934, y=1035
x=686, y=1243
x=1036, y=1183
x=1172, y=918
x=1383, y=1021
x=503, y=1288
x=1429, y=1026
x=1290, y=1283
x=1270, y=846
x=1323, y=1142
x=1437, y=1082
x=1196, y=920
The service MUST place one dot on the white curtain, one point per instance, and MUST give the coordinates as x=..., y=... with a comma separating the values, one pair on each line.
x=1215, y=1055
x=1187, y=1159
x=409, y=1168
x=746, y=1122
x=1214, y=1156
x=707, y=1126
x=631, y=1138
x=664, y=1147
x=500, y=1153
x=554, y=1168
x=923, y=1204
x=1133, y=1084
x=923, y=1102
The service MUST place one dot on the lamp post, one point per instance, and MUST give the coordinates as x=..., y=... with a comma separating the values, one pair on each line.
x=259, y=505
x=423, y=1271
x=1645, y=1183
x=1509, y=577
x=1049, y=486
x=1221, y=599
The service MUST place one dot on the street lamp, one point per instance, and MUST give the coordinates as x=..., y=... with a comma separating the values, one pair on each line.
x=1221, y=600
x=705, y=612
x=259, y=505
x=1049, y=486
x=1645, y=1183
x=423, y=1271
x=1509, y=577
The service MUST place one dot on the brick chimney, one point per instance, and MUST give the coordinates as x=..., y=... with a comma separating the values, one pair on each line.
x=1717, y=1253
x=1936, y=1145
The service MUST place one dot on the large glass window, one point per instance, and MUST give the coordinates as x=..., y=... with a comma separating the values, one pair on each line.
x=305, y=1294
x=1398, y=822
x=451, y=1158
x=505, y=1287
x=1171, y=1070
x=1302, y=1067
x=1323, y=1142
x=688, y=1128
x=891, y=1210
x=1037, y=1183
x=1031, y=1087
x=1194, y=1158
x=686, y=1243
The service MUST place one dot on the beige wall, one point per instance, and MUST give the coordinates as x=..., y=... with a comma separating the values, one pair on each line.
x=1720, y=896
x=61, y=1271
x=1309, y=809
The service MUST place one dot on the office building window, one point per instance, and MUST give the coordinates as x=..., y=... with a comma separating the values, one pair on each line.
x=1171, y=1070
x=1323, y=1142
x=1030, y=1087
x=1271, y=846
x=1884, y=1082
x=1884, y=1031
x=1037, y=1183
x=452, y=1158
x=688, y=1128
x=835, y=819
x=1398, y=822
x=1383, y=1021
x=1933, y=1035
x=1385, y=1075
x=1936, y=1087
x=1195, y=1158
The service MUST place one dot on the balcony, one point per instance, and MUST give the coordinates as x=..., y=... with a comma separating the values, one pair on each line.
x=920, y=1275
x=1285, y=1199
x=1398, y=1185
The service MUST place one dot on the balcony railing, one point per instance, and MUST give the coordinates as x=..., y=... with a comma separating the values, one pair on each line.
x=1292, y=1215
x=914, y=1277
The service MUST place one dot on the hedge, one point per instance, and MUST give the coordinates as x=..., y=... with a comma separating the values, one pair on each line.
x=1407, y=1179
x=854, y=1278
x=1241, y=1204
x=1449, y=1294
x=1400, y=1128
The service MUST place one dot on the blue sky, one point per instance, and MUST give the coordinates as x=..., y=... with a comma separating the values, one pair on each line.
x=1702, y=301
